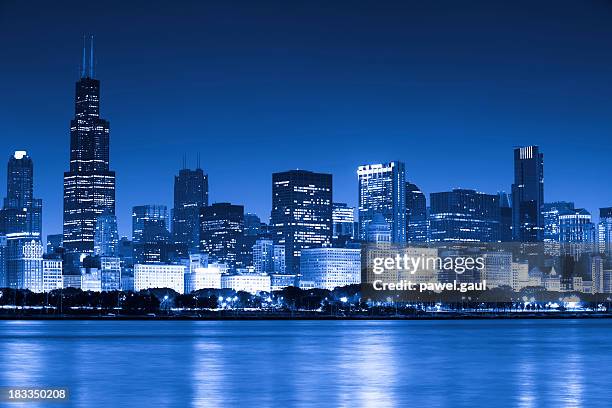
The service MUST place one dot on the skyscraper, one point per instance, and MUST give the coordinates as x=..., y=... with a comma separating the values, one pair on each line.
x=21, y=213
x=576, y=232
x=343, y=219
x=222, y=233
x=150, y=233
x=604, y=231
x=464, y=216
x=301, y=213
x=416, y=214
x=528, y=194
x=89, y=185
x=190, y=194
x=382, y=189
x=106, y=236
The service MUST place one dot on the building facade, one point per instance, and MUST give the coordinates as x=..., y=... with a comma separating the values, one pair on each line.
x=382, y=190
x=190, y=195
x=301, y=213
x=528, y=194
x=222, y=233
x=329, y=268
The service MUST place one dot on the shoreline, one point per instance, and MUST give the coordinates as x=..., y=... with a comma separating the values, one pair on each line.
x=252, y=317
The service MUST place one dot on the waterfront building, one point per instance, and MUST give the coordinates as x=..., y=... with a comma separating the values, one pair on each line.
x=247, y=282
x=301, y=213
x=203, y=278
x=576, y=232
x=382, y=190
x=328, y=268
x=51, y=274
x=24, y=263
x=152, y=276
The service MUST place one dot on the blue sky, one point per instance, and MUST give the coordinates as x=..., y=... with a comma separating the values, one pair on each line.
x=256, y=87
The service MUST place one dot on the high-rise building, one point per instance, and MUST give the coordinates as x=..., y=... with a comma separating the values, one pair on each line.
x=382, y=189
x=51, y=274
x=3, y=254
x=329, y=268
x=550, y=215
x=576, y=232
x=110, y=273
x=416, y=214
x=464, y=216
x=505, y=217
x=222, y=233
x=106, y=236
x=54, y=243
x=252, y=225
x=89, y=185
x=150, y=235
x=21, y=213
x=263, y=256
x=301, y=213
x=604, y=231
x=343, y=221
x=528, y=194
x=190, y=194
x=24, y=264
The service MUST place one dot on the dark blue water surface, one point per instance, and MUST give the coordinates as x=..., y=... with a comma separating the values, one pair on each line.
x=484, y=363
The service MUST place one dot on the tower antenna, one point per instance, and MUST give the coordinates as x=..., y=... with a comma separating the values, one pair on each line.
x=83, y=60
x=91, y=57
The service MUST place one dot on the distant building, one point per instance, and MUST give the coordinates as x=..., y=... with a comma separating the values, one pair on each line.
x=378, y=230
x=301, y=213
x=252, y=225
x=91, y=280
x=51, y=274
x=328, y=268
x=248, y=282
x=190, y=195
x=464, y=215
x=110, y=273
x=21, y=213
x=505, y=217
x=343, y=221
x=24, y=264
x=416, y=214
x=3, y=265
x=498, y=269
x=106, y=236
x=576, y=232
x=150, y=235
x=222, y=233
x=528, y=194
x=159, y=276
x=263, y=256
x=552, y=229
x=54, y=243
x=203, y=278
x=604, y=231
x=382, y=190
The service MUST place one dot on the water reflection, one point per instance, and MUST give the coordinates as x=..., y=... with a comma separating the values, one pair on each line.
x=313, y=363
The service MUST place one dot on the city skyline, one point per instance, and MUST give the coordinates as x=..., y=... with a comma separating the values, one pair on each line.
x=472, y=140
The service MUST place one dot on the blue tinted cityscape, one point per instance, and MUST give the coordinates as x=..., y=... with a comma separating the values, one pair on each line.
x=309, y=241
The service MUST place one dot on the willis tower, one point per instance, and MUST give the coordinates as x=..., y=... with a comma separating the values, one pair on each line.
x=89, y=186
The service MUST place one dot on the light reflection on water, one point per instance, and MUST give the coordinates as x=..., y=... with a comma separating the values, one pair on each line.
x=519, y=363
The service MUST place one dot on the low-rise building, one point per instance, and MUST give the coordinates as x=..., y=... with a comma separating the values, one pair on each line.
x=250, y=282
x=152, y=276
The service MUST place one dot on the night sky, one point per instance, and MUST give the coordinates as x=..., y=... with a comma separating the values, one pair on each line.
x=448, y=87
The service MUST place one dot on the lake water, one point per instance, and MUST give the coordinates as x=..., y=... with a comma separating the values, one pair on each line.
x=475, y=363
